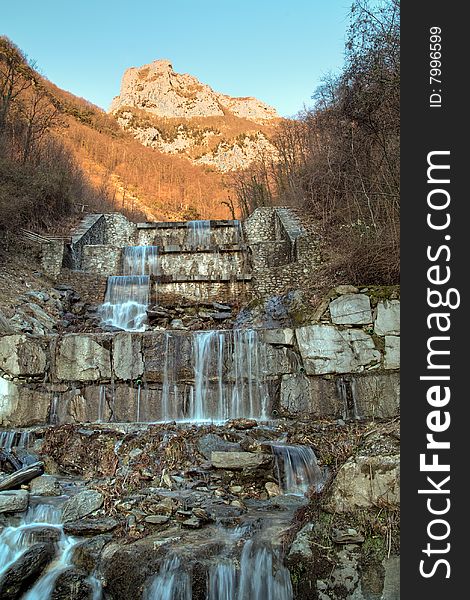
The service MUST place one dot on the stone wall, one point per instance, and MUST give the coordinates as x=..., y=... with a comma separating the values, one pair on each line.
x=174, y=291
x=343, y=366
x=222, y=233
x=52, y=257
x=119, y=231
x=102, y=260
x=284, y=254
x=92, y=230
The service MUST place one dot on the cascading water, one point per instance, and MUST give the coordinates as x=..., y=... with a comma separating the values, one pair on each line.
x=171, y=583
x=297, y=469
x=222, y=581
x=140, y=260
x=199, y=234
x=126, y=301
x=229, y=378
x=127, y=296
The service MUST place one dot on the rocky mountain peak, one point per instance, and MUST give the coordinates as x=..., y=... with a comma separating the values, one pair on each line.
x=158, y=89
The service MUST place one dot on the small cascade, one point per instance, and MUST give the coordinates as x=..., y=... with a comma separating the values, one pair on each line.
x=199, y=235
x=15, y=540
x=7, y=440
x=126, y=301
x=297, y=469
x=229, y=378
x=171, y=583
x=262, y=575
x=53, y=413
x=140, y=260
x=222, y=581
x=127, y=295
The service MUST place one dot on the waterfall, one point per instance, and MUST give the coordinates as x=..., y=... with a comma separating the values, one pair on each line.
x=127, y=295
x=171, y=583
x=346, y=387
x=297, y=469
x=229, y=378
x=140, y=260
x=262, y=575
x=222, y=581
x=126, y=301
x=199, y=234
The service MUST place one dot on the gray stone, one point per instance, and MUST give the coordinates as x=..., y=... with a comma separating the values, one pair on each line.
x=45, y=485
x=364, y=482
x=345, y=289
x=351, y=309
x=90, y=526
x=13, y=501
x=239, y=460
x=302, y=395
x=377, y=395
x=326, y=349
x=301, y=544
x=81, y=358
x=5, y=326
x=392, y=352
x=281, y=337
x=387, y=321
x=391, y=589
x=211, y=442
x=157, y=519
x=21, y=356
x=72, y=584
x=19, y=576
x=128, y=363
x=81, y=504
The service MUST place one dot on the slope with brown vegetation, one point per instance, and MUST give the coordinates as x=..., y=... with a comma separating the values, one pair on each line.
x=60, y=155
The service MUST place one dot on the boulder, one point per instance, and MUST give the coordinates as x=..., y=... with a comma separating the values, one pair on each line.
x=81, y=358
x=351, y=309
x=21, y=356
x=81, y=504
x=365, y=482
x=72, y=584
x=239, y=460
x=128, y=363
x=13, y=501
x=23, y=572
x=279, y=337
x=387, y=321
x=326, y=349
x=45, y=485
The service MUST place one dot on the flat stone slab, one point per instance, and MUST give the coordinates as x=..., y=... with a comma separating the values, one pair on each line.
x=13, y=501
x=351, y=309
x=239, y=460
x=81, y=504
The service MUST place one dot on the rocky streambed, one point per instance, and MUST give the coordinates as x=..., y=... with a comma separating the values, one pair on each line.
x=274, y=511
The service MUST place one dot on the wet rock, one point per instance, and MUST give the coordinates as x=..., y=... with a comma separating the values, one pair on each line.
x=90, y=526
x=86, y=554
x=24, y=571
x=22, y=476
x=239, y=460
x=157, y=519
x=212, y=443
x=13, y=501
x=81, y=504
x=45, y=485
x=351, y=309
x=43, y=534
x=72, y=584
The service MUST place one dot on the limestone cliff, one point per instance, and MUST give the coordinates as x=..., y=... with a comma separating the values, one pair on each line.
x=177, y=114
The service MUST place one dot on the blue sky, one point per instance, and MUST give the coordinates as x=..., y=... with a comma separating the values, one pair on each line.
x=275, y=51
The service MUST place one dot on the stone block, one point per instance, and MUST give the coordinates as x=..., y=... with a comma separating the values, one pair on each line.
x=21, y=406
x=316, y=396
x=13, y=501
x=128, y=362
x=387, y=321
x=326, y=349
x=377, y=395
x=392, y=352
x=278, y=337
x=239, y=460
x=22, y=356
x=351, y=309
x=82, y=358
